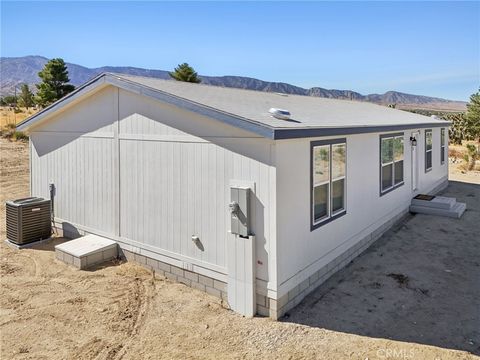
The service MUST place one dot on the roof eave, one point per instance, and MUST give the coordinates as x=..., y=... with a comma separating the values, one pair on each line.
x=295, y=133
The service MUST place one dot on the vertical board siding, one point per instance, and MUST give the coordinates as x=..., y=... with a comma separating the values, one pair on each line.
x=174, y=189
x=171, y=181
x=82, y=172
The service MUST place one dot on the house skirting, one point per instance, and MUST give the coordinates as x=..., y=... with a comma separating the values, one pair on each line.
x=197, y=281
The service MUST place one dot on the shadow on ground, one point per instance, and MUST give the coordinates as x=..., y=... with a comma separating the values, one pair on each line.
x=419, y=283
x=48, y=245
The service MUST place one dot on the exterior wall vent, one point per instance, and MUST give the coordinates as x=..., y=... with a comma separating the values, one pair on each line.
x=28, y=220
x=280, y=113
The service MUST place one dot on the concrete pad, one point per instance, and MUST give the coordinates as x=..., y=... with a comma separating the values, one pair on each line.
x=26, y=246
x=87, y=251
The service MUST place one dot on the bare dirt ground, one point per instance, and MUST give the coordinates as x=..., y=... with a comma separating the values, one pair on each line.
x=413, y=295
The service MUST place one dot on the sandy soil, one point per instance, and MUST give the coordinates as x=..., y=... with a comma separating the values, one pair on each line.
x=413, y=295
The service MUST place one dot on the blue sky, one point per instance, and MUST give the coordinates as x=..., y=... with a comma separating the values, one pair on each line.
x=428, y=48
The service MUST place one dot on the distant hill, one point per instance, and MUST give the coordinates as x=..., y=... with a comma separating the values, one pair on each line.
x=18, y=70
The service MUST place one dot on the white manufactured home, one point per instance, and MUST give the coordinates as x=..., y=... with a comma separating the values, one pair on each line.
x=207, y=186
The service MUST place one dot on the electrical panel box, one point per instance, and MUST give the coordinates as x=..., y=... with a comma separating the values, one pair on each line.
x=240, y=211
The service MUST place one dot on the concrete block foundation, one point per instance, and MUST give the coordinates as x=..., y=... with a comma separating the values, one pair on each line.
x=197, y=281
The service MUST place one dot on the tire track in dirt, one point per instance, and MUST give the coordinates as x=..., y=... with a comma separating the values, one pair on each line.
x=127, y=324
x=38, y=271
x=142, y=302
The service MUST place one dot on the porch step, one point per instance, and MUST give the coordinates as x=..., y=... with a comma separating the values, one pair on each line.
x=438, y=202
x=456, y=211
x=86, y=251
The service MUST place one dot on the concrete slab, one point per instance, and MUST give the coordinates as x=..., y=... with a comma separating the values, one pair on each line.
x=86, y=251
x=26, y=246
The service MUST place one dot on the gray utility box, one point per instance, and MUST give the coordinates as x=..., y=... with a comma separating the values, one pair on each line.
x=240, y=211
x=28, y=220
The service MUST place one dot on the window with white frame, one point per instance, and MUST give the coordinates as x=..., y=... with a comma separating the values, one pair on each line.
x=391, y=162
x=328, y=180
x=442, y=146
x=428, y=150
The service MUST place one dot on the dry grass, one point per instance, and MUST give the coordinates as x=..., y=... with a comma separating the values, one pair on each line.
x=8, y=116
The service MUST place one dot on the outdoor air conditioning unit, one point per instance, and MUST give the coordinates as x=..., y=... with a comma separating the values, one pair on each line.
x=28, y=220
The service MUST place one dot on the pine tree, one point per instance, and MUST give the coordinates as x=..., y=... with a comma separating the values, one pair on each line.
x=25, y=99
x=54, y=83
x=473, y=116
x=184, y=72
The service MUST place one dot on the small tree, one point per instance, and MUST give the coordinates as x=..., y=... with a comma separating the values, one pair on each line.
x=185, y=72
x=458, y=130
x=9, y=100
x=473, y=117
x=54, y=83
x=25, y=99
x=471, y=156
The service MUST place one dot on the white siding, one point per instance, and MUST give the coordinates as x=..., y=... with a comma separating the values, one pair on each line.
x=438, y=170
x=174, y=181
x=152, y=175
x=301, y=252
x=74, y=151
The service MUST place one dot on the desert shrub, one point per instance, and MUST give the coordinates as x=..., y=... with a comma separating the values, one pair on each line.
x=17, y=110
x=455, y=153
x=19, y=136
x=471, y=156
x=6, y=132
x=10, y=132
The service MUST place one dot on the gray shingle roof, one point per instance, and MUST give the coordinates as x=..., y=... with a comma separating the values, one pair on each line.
x=248, y=109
